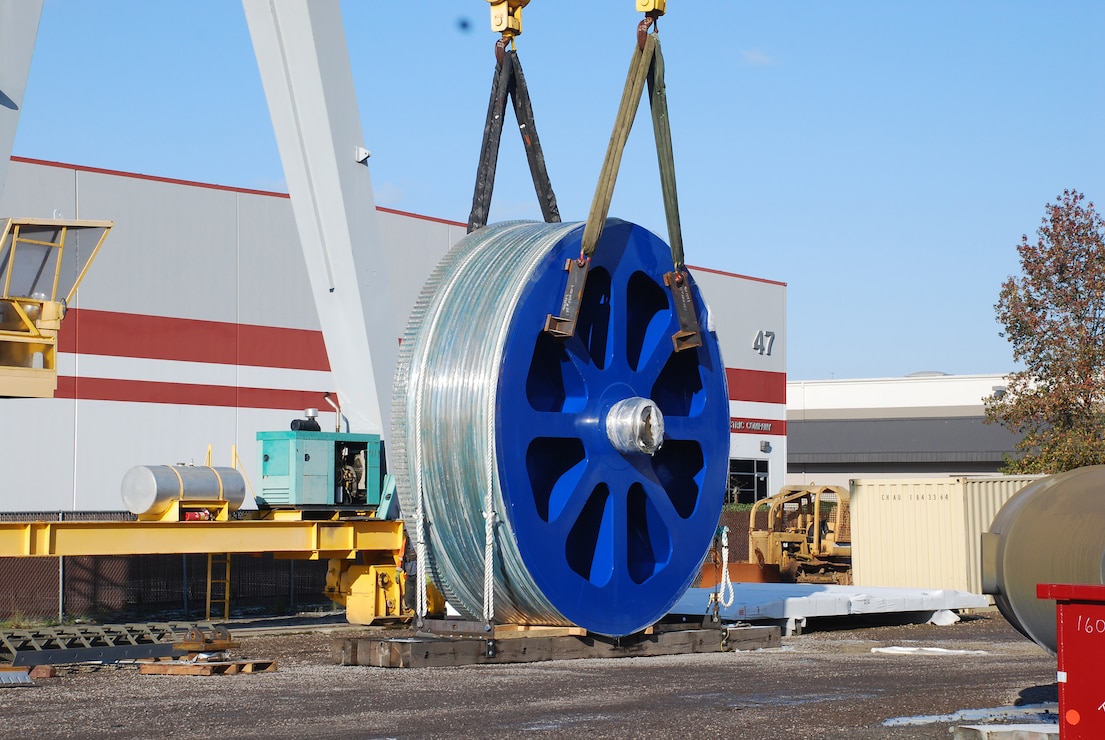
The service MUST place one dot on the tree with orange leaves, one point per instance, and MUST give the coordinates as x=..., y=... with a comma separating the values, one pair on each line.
x=1054, y=316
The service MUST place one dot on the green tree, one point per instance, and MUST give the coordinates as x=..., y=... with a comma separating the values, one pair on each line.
x=1054, y=316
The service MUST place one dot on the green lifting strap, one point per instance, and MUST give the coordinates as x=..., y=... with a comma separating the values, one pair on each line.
x=647, y=66
x=639, y=68
x=658, y=100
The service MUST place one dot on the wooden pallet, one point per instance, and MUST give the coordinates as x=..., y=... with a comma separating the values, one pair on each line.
x=212, y=668
x=530, y=646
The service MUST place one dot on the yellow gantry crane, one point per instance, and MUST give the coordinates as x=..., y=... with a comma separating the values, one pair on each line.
x=365, y=554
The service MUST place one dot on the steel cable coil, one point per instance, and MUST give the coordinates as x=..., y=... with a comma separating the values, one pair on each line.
x=603, y=457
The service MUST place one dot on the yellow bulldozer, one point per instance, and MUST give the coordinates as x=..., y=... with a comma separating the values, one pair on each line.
x=805, y=532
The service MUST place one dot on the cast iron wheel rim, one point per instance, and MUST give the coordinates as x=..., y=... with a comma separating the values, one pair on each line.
x=611, y=539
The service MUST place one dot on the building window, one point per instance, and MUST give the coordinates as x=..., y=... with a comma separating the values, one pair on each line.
x=747, y=481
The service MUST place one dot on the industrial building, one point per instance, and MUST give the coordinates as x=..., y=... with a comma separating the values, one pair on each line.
x=195, y=326
x=926, y=424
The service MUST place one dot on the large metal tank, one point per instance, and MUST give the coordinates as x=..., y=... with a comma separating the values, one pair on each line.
x=151, y=489
x=1052, y=531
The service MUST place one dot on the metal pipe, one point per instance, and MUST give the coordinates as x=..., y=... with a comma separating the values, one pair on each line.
x=337, y=414
x=61, y=580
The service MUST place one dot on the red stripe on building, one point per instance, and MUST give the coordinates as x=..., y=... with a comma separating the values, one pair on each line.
x=91, y=332
x=739, y=425
x=146, y=391
x=758, y=386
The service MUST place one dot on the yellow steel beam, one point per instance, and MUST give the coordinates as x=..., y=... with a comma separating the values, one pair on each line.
x=292, y=539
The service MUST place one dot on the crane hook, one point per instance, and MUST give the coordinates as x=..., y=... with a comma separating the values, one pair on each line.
x=652, y=18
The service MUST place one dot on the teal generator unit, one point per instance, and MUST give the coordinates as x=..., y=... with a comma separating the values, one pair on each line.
x=308, y=468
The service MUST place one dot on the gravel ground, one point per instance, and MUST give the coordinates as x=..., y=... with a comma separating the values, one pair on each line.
x=823, y=684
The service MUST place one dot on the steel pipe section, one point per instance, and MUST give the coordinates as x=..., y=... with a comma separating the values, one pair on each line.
x=1051, y=531
x=604, y=456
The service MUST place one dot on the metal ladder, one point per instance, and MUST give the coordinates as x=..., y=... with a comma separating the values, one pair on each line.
x=218, y=583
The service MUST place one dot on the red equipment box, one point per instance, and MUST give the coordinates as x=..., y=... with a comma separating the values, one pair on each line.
x=1080, y=638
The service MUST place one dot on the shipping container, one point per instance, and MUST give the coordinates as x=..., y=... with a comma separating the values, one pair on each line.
x=925, y=532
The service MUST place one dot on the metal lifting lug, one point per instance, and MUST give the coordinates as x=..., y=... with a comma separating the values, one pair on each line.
x=688, y=336
x=563, y=325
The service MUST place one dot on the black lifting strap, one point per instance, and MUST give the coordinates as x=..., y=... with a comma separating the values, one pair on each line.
x=510, y=82
x=647, y=65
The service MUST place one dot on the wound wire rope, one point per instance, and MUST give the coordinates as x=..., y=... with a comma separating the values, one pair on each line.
x=443, y=430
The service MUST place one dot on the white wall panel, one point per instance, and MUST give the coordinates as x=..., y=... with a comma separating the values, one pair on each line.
x=173, y=251
x=950, y=395
x=35, y=191
x=741, y=309
x=272, y=280
x=413, y=246
x=113, y=437
x=36, y=454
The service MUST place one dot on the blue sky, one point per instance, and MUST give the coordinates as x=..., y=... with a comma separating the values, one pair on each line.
x=881, y=158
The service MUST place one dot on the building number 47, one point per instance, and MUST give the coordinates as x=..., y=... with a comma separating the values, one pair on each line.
x=765, y=340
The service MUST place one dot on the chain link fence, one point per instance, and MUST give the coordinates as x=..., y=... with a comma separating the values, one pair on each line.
x=142, y=587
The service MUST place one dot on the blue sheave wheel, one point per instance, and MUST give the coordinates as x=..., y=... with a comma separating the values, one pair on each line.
x=605, y=454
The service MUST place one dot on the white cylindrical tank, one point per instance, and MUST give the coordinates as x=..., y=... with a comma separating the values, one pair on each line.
x=151, y=489
x=1052, y=531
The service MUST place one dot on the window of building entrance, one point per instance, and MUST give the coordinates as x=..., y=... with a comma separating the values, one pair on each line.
x=747, y=481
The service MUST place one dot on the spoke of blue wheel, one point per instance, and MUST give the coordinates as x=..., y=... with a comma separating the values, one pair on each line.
x=618, y=318
x=568, y=516
x=545, y=423
x=581, y=359
x=649, y=369
x=621, y=535
x=660, y=499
